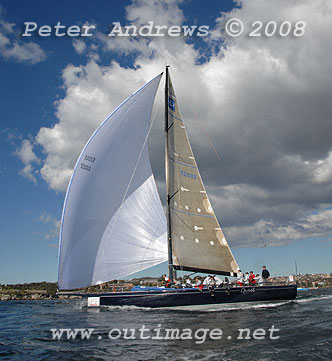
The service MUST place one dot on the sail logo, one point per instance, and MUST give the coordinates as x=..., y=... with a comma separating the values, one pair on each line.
x=171, y=103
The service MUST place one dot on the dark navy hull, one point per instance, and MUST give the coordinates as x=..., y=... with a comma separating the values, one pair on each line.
x=189, y=297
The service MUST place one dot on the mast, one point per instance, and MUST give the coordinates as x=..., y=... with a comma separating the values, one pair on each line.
x=168, y=208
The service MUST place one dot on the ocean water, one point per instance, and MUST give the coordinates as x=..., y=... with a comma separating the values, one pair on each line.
x=301, y=330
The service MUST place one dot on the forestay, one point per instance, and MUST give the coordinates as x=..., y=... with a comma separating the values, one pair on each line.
x=113, y=223
x=198, y=243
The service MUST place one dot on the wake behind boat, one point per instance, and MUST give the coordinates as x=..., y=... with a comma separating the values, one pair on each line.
x=113, y=223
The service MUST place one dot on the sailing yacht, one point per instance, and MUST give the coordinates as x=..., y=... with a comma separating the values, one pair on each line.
x=113, y=223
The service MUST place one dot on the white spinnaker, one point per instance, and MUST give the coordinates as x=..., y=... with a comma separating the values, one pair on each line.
x=113, y=223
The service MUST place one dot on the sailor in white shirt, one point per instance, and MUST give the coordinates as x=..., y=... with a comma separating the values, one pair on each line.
x=218, y=281
x=259, y=280
x=209, y=281
x=246, y=279
x=239, y=278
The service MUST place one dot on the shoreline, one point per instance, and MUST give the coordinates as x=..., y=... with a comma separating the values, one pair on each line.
x=34, y=297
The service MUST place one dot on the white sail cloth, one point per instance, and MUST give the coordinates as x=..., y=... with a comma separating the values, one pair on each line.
x=198, y=243
x=113, y=223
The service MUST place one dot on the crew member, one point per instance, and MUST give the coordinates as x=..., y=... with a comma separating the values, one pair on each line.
x=265, y=274
x=198, y=283
x=166, y=280
x=239, y=278
x=252, y=281
x=209, y=281
x=246, y=279
x=259, y=280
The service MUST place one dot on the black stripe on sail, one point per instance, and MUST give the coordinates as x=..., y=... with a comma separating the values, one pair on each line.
x=203, y=270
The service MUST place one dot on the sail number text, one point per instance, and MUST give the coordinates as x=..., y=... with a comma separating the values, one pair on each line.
x=86, y=167
x=89, y=159
x=189, y=175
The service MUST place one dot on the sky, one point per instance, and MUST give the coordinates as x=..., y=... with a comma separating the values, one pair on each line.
x=257, y=110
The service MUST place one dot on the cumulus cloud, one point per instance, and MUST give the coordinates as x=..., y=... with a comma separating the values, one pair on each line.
x=264, y=103
x=323, y=171
x=27, y=156
x=54, y=228
x=17, y=50
x=126, y=45
x=28, y=172
x=141, y=13
x=79, y=46
x=269, y=232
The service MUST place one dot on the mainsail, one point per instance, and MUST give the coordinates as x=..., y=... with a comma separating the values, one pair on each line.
x=113, y=223
x=197, y=241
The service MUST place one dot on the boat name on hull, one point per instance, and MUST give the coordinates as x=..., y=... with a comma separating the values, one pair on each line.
x=247, y=290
